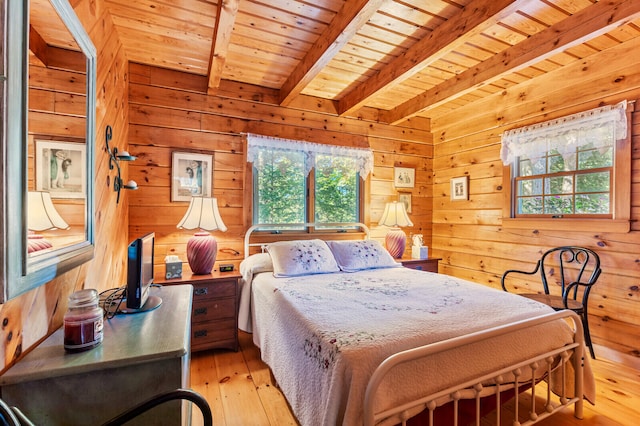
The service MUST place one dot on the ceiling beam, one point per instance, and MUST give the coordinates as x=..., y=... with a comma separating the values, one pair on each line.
x=225, y=18
x=474, y=18
x=589, y=23
x=38, y=46
x=352, y=16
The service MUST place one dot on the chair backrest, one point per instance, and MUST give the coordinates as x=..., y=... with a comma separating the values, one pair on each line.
x=574, y=268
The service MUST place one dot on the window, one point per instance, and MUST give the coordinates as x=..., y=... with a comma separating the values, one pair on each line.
x=575, y=184
x=297, y=182
x=574, y=167
x=279, y=189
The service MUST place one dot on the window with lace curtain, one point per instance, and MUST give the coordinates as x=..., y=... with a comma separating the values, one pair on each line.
x=572, y=167
x=297, y=182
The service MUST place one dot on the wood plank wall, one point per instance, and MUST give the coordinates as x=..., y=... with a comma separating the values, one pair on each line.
x=169, y=111
x=469, y=234
x=29, y=318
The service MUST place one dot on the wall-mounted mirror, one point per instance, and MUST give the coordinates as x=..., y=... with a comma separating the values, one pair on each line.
x=49, y=137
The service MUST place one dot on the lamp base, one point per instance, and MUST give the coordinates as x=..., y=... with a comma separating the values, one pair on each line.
x=202, y=249
x=395, y=241
x=36, y=243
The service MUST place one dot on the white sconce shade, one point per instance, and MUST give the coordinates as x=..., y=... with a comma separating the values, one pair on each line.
x=42, y=214
x=395, y=215
x=203, y=213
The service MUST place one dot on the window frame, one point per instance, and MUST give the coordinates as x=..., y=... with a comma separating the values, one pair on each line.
x=250, y=196
x=620, y=200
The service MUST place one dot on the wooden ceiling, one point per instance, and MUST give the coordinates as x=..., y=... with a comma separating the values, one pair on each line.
x=404, y=57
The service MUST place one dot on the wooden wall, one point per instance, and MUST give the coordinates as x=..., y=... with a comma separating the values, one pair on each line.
x=469, y=234
x=170, y=112
x=31, y=317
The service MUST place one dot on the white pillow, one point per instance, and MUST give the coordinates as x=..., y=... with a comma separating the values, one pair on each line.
x=256, y=263
x=301, y=257
x=362, y=254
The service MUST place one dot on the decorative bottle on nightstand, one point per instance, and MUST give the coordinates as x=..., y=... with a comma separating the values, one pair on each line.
x=418, y=251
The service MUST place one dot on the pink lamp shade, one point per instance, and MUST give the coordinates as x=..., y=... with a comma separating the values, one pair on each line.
x=202, y=248
x=394, y=216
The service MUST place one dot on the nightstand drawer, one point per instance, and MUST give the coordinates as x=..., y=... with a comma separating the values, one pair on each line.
x=209, y=290
x=208, y=310
x=205, y=334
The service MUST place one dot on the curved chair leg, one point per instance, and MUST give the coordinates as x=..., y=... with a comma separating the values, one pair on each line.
x=587, y=335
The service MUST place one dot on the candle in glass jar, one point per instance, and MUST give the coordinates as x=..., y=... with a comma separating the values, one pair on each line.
x=83, y=321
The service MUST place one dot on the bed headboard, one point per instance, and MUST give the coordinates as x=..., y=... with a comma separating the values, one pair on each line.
x=339, y=230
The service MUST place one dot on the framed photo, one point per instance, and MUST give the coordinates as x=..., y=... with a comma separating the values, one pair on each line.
x=61, y=168
x=191, y=175
x=405, y=197
x=459, y=188
x=404, y=177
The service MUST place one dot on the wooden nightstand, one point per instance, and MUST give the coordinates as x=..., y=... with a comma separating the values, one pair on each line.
x=214, y=320
x=430, y=264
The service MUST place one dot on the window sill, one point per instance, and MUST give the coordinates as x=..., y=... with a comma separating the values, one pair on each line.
x=585, y=225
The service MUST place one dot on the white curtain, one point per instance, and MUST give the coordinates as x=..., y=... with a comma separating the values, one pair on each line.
x=600, y=126
x=363, y=157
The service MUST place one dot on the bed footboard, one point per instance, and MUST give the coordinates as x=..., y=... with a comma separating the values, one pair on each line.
x=567, y=363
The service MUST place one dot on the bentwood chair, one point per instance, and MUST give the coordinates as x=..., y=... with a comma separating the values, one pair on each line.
x=12, y=416
x=567, y=275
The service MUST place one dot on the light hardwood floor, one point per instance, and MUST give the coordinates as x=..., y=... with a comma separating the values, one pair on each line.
x=238, y=387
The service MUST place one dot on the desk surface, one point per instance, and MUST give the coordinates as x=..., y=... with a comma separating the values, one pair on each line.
x=128, y=339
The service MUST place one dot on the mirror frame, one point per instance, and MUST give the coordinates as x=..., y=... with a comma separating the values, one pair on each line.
x=22, y=273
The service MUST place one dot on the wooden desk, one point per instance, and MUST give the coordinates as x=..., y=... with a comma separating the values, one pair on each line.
x=141, y=355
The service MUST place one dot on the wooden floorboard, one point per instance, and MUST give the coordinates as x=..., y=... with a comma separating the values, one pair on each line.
x=239, y=389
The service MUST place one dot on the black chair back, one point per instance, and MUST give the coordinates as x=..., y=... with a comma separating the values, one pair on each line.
x=574, y=269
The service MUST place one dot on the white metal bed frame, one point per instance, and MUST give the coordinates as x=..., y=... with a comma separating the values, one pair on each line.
x=491, y=383
x=573, y=353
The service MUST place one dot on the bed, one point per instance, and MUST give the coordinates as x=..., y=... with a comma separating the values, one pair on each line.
x=352, y=337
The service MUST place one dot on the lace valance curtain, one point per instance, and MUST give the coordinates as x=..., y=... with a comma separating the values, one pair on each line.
x=600, y=126
x=363, y=157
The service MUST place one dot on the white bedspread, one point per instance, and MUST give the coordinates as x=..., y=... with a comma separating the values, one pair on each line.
x=323, y=335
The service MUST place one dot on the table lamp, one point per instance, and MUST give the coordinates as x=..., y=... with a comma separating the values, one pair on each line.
x=41, y=216
x=394, y=216
x=202, y=248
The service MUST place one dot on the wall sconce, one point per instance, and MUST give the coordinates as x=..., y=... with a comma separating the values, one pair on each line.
x=394, y=216
x=114, y=162
x=202, y=248
x=41, y=216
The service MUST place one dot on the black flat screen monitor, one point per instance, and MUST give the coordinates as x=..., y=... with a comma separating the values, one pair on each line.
x=140, y=274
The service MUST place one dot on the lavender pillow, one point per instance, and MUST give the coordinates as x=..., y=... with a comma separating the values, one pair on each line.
x=301, y=257
x=358, y=255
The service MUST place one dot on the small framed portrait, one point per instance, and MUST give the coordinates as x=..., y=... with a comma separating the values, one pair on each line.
x=61, y=168
x=405, y=198
x=191, y=175
x=404, y=177
x=459, y=188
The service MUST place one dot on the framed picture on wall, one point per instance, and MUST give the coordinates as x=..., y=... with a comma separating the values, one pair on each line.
x=191, y=175
x=459, y=188
x=404, y=177
x=61, y=168
x=405, y=197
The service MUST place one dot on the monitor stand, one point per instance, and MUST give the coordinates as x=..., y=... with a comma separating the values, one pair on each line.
x=152, y=303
